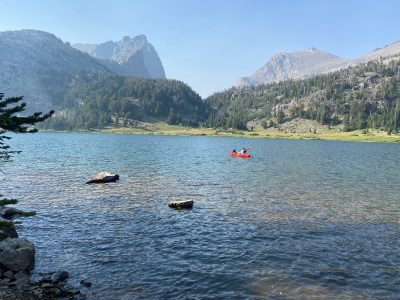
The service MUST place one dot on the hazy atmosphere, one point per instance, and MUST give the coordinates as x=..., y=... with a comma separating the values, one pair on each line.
x=210, y=44
x=199, y=150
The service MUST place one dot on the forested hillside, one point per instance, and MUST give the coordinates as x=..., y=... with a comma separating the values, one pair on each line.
x=98, y=100
x=360, y=97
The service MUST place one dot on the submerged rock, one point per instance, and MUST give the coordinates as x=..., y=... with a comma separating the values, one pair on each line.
x=17, y=254
x=184, y=204
x=86, y=283
x=11, y=212
x=104, y=177
x=61, y=276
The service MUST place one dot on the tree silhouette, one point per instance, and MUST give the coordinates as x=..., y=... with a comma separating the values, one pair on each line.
x=10, y=121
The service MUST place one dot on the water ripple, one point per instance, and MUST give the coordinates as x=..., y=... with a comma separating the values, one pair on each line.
x=299, y=220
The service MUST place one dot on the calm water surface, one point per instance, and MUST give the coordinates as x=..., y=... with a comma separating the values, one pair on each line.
x=300, y=219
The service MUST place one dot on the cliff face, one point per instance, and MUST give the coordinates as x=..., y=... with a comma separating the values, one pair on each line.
x=133, y=56
x=39, y=66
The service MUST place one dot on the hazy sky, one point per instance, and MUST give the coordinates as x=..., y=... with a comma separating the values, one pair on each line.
x=209, y=44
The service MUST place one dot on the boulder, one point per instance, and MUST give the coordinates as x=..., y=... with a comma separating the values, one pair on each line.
x=7, y=232
x=104, y=177
x=185, y=204
x=17, y=254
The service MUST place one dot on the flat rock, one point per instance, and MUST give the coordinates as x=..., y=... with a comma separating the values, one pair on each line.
x=104, y=177
x=17, y=254
x=181, y=204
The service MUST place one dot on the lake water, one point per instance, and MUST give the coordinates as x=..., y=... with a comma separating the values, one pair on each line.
x=299, y=219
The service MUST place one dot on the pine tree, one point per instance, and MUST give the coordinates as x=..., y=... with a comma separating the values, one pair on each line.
x=12, y=122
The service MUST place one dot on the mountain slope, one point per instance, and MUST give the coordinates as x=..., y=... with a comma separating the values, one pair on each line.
x=358, y=97
x=38, y=65
x=389, y=50
x=294, y=65
x=309, y=62
x=103, y=100
x=129, y=56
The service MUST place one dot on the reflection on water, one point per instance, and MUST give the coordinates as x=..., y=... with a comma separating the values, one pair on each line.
x=300, y=219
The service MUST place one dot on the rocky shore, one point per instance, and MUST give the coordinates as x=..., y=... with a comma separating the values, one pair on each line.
x=17, y=260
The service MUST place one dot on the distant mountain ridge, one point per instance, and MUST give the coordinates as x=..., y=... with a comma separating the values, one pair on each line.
x=39, y=66
x=309, y=62
x=133, y=56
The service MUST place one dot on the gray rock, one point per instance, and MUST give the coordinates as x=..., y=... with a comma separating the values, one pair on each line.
x=61, y=276
x=104, y=177
x=21, y=279
x=8, y=232
x=133, y=56
x=17, y=254
x=309, y=62
x=8, y=274
x=4, y=281
x=185, y=204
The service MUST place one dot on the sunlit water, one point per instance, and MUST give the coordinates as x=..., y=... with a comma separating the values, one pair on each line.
x=299, y=219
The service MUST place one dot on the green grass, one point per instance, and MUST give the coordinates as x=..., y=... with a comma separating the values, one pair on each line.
x=162, y=128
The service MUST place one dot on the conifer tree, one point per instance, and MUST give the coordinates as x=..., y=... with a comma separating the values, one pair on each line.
x=11, y=121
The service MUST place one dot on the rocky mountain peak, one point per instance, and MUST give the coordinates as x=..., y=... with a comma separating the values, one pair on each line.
x=309, y=62
x=293, y=65
x=128, y=56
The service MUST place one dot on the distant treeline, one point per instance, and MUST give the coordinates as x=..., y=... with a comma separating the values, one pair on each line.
x=98, y=100
x=360, y=97
x=365, y=96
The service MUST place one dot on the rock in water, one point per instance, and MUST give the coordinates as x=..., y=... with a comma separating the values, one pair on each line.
x=7, y=232
x=11, y=212
x=185, y=204
x=17, y=254
x=104, y=177
x=86, y=283
x=61, y=276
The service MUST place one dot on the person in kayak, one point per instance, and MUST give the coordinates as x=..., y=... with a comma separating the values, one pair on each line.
x=234, y=150
x=243, y=151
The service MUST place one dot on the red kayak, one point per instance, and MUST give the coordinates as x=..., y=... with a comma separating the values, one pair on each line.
x=236, y=154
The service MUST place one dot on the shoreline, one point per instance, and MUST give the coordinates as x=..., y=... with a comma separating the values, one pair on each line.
x=18, y=261
x=174, y=130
